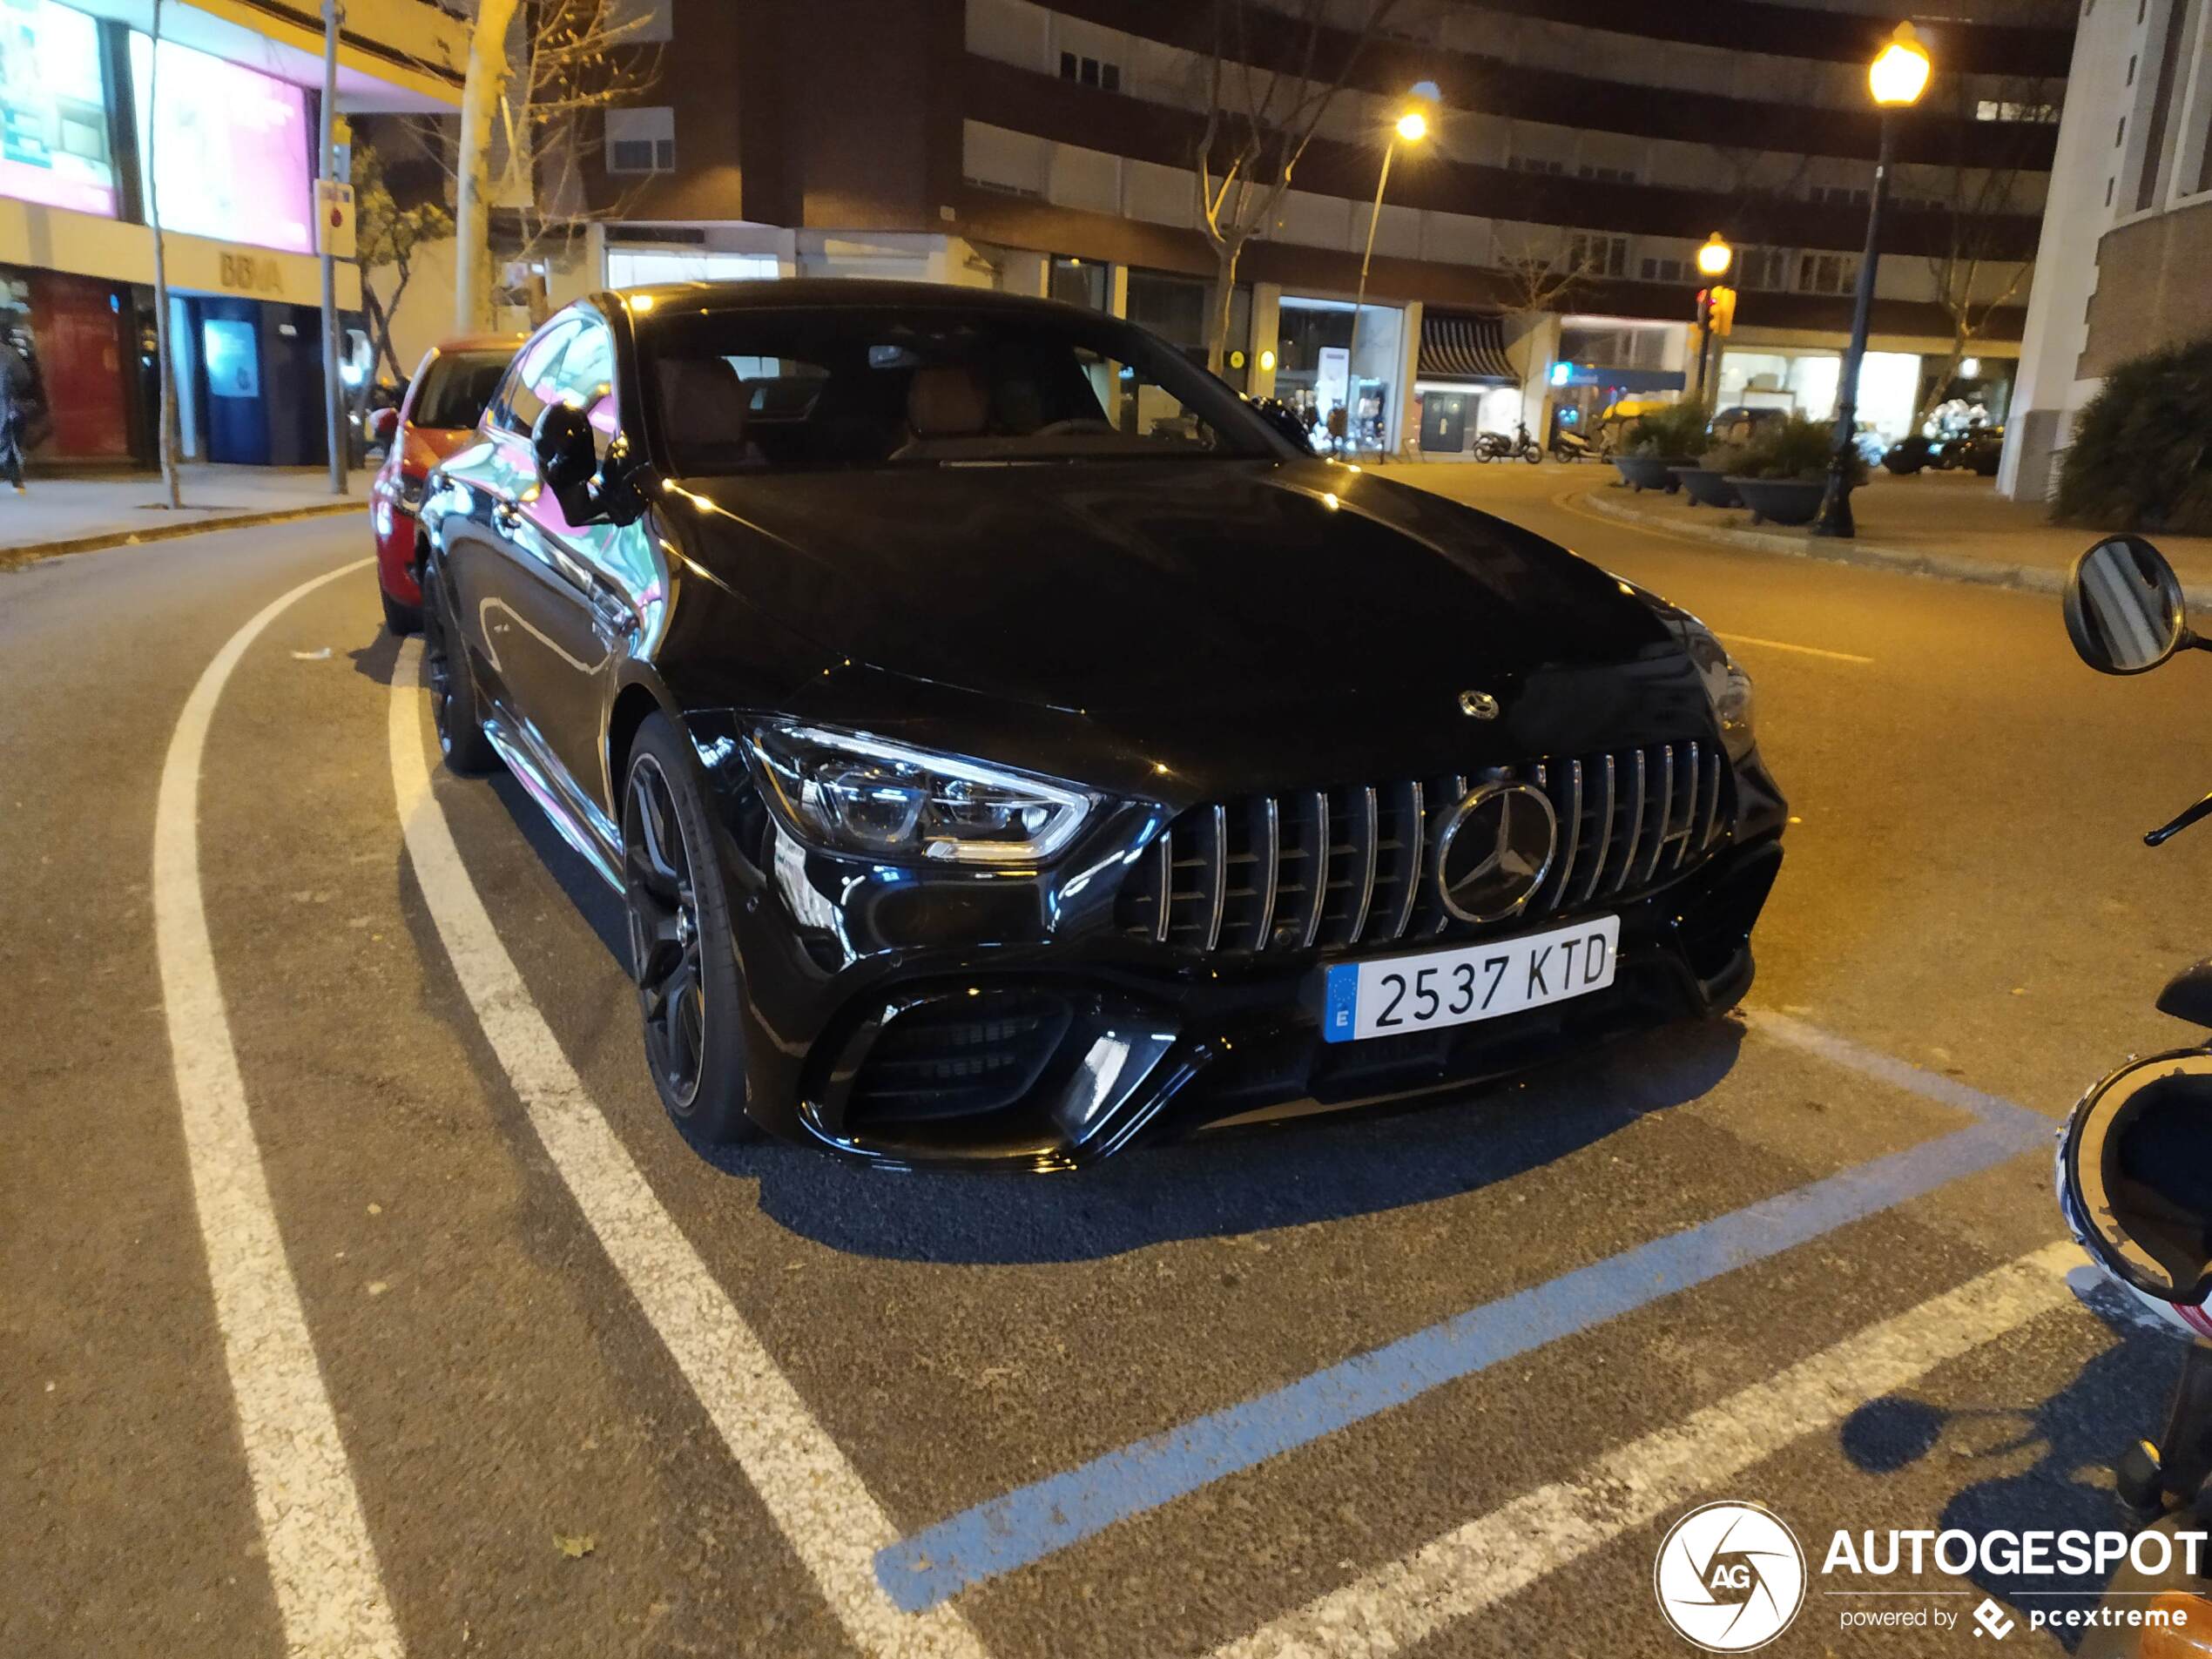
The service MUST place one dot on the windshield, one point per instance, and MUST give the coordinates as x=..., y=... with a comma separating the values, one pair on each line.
x=456, y=388
x=765, y=390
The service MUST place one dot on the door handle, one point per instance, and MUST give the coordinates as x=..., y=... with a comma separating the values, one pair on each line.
x=612, y=613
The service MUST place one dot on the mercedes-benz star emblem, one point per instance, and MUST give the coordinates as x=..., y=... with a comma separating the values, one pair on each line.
x=1495, y=850
x=1480, y=704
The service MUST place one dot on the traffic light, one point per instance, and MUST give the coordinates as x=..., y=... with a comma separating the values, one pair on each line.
x=1723, y=309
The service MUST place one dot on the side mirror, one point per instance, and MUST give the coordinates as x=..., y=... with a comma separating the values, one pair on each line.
x=567, y=460
x=2124, y=610
x=382, y=426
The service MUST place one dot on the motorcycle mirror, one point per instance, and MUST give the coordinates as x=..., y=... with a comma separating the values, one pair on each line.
x=2124, y=610
x=2135, y=1175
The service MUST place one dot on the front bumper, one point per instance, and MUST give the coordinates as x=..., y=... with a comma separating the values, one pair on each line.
x=1073, y=1040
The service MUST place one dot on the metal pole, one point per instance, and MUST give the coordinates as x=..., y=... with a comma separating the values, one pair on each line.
x=1352, y=353
x=1704, y=352
x=1835, y=505
x=334, y=411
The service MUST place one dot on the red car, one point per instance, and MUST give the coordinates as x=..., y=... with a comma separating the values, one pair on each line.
x=439, y=415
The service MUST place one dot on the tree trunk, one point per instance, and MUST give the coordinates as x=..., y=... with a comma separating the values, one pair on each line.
x=1960, y=338
x=165, y=363
x=1224, y=296
x=488, y=69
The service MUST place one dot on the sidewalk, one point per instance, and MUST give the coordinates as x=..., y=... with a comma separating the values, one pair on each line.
x=1947, y=524
x=74, y=515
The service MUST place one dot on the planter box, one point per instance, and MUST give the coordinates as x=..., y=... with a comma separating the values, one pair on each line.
x=1781, y=501
x=1651, y=472
x=1706, y=488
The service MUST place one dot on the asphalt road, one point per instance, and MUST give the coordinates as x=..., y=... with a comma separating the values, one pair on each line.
x=411, y=1325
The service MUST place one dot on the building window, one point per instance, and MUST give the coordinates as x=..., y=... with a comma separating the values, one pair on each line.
x=1078, y=282
x=641, y=140
x=1840, y=196
x=640, y=21
x=2169, y=62
x=1824, y=272
x=1090, y=72
x=1536, y=163
x=1607, y=175
x=1665, y=271
x=1762, y=267
x=1992, y=109
x=1596, y=254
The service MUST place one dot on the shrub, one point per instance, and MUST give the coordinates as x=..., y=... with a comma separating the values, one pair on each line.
x=1794, y=447
x=2142, y=454
x=1678, y=429
x=1723, y=458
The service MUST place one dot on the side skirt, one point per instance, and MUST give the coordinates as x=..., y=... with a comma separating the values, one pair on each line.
x=537, y=779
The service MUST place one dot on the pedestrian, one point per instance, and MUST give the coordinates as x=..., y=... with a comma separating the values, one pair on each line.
x=15, y=396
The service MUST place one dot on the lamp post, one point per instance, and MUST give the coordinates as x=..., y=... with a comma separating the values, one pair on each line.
x=1896, y=77
x=1713, y=260
x=1411, y=128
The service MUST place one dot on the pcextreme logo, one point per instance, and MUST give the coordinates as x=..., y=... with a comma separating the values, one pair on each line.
x=1730, y=1577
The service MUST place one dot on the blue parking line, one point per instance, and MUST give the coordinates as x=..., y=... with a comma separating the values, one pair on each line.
x=1033, y=1522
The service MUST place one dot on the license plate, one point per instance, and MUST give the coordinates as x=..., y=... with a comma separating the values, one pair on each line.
x=1469, y=982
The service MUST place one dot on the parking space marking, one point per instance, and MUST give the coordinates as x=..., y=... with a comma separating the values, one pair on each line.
x=1476, y=1566
x=1032, y=1522
x=818, y=1499
x=322, y=1560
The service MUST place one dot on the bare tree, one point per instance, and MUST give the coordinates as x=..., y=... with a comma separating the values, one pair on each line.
x=1259, y=121
x=562, y=64
x=484, y=90
x=1542, y=274
x=1977, y=263
x=388, y=237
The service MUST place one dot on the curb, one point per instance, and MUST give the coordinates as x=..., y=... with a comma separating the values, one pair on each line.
x=33, y=552
x=1944, y=567
x=1988, y=573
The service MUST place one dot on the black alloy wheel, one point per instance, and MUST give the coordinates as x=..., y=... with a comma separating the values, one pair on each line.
x=455, y=708
x=681, y=953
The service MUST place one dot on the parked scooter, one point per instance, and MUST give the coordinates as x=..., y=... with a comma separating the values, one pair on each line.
x=1568, y=445
x=2135, y=1162
x=1496, y=446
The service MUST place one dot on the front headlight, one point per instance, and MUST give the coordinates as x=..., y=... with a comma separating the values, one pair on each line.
x=1726, y=684
x=852, y=793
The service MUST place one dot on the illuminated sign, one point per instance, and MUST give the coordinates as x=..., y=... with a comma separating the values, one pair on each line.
x=53, y=109
x=229, y=153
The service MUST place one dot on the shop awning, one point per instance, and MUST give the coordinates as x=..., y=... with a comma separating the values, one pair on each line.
x=1462, y=346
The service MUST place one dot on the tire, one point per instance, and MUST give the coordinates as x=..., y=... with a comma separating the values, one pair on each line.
x=1531, y=454
x=456, y=707
x=399, y=620
x=682, y=955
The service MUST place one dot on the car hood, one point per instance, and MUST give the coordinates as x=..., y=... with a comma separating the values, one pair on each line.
x=1120, y=586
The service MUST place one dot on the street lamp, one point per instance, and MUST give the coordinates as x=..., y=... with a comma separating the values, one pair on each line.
x=1411, y=127
x=1713, y=260
x=1896, y=78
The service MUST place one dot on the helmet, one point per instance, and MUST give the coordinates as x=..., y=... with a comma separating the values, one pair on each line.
x=2134, y=1183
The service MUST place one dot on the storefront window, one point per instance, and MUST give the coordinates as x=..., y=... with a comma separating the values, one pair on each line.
x=230, y=151
x=1079, y=282
x=53, y=109
x=1346, y=384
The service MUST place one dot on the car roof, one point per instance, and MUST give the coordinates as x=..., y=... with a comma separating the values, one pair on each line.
x=479, y=343
x=849, y=293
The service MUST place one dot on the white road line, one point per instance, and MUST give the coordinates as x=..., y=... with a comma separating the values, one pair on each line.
x=1801, y=650
x=815, y=1494
x=321, y=1560
x=1476, y=1566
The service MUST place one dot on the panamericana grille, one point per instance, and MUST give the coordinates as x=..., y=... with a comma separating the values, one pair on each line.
x=1356, y=865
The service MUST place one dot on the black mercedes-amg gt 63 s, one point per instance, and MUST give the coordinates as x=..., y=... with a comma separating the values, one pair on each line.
x=1008, y=746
